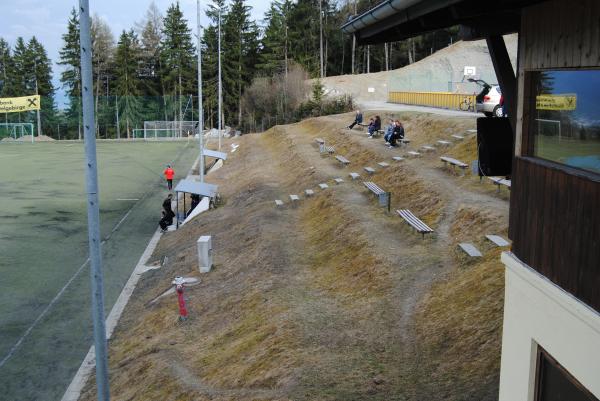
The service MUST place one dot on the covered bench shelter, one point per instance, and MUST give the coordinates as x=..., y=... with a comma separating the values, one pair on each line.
x=214, y=154
x=188, y=186
x=552, y=303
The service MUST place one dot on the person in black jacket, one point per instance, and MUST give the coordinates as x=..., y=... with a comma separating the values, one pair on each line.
x=358, y=119
x=397, y=134
x=376, y=126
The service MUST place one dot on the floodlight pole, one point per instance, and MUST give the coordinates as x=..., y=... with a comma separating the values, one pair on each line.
x=200, y=110
x=93, y=209
x=37, y=92
x=220, y=85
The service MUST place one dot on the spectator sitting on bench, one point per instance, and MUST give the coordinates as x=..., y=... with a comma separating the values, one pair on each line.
x=358, y=119
x=389, y=130
x=375, y=126
x=398, y=133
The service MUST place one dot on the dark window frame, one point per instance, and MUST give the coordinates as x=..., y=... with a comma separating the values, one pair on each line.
x=544, y=356
x=528, y=137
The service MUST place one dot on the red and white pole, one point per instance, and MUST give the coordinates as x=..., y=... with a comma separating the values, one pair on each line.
x=179, y=287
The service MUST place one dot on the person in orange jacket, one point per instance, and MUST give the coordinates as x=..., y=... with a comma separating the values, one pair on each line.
x=169, y=174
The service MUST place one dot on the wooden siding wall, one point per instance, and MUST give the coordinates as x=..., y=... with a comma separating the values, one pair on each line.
x=555, y=209
x=555, y=226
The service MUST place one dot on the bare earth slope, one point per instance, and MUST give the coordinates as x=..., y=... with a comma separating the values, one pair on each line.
x=331, y=299
x=429, y=74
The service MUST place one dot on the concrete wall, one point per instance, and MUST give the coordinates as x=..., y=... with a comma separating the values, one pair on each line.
x=537, y=312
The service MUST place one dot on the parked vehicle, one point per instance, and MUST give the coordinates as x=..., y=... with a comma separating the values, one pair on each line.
x=488, y=100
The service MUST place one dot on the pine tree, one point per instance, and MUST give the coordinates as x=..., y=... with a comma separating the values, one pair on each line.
x=70, y=77
x=5, y=66
x=240, y=56
x=41, y=83
x=127, y=60
x=177, y=58
x=103, y=44
x=275, y=42
x=150, y=34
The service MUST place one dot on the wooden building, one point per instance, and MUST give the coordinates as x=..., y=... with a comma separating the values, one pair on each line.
x=551, y=332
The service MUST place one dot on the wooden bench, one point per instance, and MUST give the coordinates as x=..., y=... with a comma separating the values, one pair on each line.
x=412, y=153
x=398, y=158
x=428, y=148
x=343, y=160
x=309, y=192
x=454, y=162
x=414, y=222
x=470, y=250
x=383, y=196
x=458, y=136
x=404, y=141
x=378, y=133
x=354, y=175
x=294, y=198
x=500, y=181
x=369, y=170
x=278, y=202
x=444, y=143
x=323, y=186
x=383, y=164
x=338, y=180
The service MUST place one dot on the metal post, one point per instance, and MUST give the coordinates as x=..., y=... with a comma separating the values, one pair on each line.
x=220, y=85
x=200, y=109
x=93, y=206
x=117, y=111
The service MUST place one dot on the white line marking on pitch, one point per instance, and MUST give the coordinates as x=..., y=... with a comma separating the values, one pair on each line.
x=126, y=199
x=55, y=299
x=46, y=309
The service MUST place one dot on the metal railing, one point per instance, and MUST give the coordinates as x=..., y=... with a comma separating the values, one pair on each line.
x=445, y=100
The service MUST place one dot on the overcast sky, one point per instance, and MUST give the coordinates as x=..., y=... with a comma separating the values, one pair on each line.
x=47, y=19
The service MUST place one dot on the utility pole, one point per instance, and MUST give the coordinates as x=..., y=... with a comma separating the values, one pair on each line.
x=39, y=120
x=353, y=41
x=321, y=35
x=200, y=109
x=219, y=117
x=91, y=173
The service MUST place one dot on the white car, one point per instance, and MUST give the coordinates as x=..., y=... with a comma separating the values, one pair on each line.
x=491, y=102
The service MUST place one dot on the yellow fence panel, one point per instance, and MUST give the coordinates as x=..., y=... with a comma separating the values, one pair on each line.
x=444, y=100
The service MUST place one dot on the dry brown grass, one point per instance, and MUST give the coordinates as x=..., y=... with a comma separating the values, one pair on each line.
x=300, y=304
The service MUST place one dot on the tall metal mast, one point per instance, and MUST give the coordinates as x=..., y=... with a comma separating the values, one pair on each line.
x=91, y=175
x=220, y=84
x=200, y=109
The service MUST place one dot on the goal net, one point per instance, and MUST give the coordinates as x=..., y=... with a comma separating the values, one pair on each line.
x=19, y=132
x=166, y=130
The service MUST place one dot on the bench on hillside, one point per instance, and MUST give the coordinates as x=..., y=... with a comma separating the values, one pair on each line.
x=498, y=240
x=309, y=192
x=383, y=196
x=413, y=153
x=500, y=181
x=278, y=202
x=444, y=143
x=354, y=175
x=329, y=149
x=414, y=222
x=398, y=158
x=338, y=180
x=369, y=170
x=383, y=164
x=470, y=250
x=343, y=160
x=294, y=198
x=378, y=133
x=404, y=141
x=454, y=162
x=323, y=186
x=458, y=136
x=428, y=148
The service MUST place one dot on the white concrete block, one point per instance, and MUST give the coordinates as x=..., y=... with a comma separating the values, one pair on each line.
x=204, y=253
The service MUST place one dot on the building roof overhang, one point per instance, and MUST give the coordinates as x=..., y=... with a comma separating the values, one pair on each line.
x=395, y=20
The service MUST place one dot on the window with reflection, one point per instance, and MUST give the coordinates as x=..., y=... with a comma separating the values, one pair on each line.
x=565, y=117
